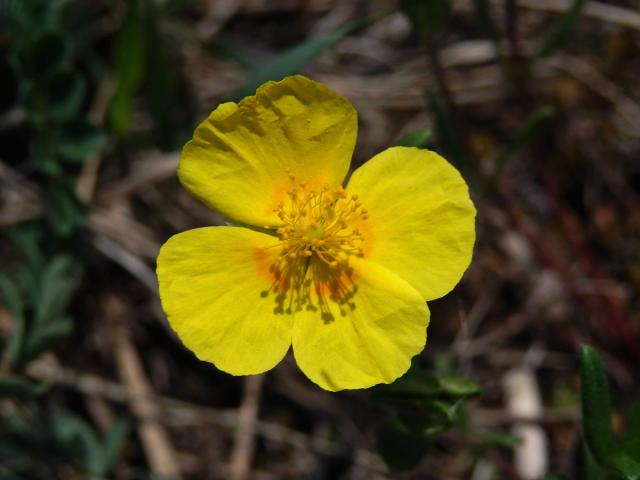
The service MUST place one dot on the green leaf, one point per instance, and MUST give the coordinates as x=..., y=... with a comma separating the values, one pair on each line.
x=596, y=418
x=452, y=144
x=13, y=300
x=130, y=66
x=112, y=446
x=164, y=87
x=426, y=16
x=294, y=59
x=456, y=386
x=46, y=52
x=400, y=448
x=43, y=337
x=560, y=30
x=538, y=121
x=484, y=19
x=58, y=283
x=630, y=442
x=78, y=439
x=11, y=386
x=439, y=417
x=65, y=212
x=498, y=440
x=79, y=141
x=64, y=94
x=596, y=405
x=415, y=385
x=417, y=138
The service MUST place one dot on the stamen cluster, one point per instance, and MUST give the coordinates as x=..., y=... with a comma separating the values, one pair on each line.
x=320, y=222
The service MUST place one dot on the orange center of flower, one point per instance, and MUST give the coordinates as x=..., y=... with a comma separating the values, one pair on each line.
x=320, y=222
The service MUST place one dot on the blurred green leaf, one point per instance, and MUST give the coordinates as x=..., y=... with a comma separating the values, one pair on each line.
x=130, y=65
x=426, y=16
x=43, y=337
x=11, y=386
x=80, y=140
x=414, y=385
x=293, y=60
x=47, y=51
x=596, y=405
x=631, y=437
x=400, y=448
x=112, y=446
x=596, y=418
x=536, y=123
x=484, y=19
x=417, y=138
x=65, y=212
x=447, y=135
x=12, y=15
x=560, y=30
x=497, y=440
x=168, y=98
x=13, y=300
x=25, y=237
x=64, y=92
x=78, y=439
x=438, y=417
x=456, y=386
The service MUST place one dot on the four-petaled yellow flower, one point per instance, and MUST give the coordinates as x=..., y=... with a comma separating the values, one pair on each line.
x=342, y=274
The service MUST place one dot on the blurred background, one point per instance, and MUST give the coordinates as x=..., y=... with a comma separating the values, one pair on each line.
x=535, y=101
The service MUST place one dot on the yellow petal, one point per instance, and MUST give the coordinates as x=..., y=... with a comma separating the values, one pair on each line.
x=421, y=220
x=213, y=286
x=239, y=158
x=360, y=329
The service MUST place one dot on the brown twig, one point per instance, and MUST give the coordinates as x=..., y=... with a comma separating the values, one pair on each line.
x=242, y=453
x=160, y=454
x=178, y=413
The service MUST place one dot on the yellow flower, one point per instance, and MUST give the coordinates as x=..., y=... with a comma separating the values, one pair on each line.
x=342, y=274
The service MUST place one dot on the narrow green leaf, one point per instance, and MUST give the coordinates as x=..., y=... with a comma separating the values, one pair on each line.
x=537, y=122
x=485, y=20
x=10, y=294
x=438, y=417
x=456, y=386
x=415, y=385
x=426, y=16
x=596, y=418
x=294, y=59
x=47, y=51
x=498, y=440
x=596, y=406
x=80, y=140
x=417, y=138
x=560, y=30
x=445, y=131
x=631, y=438
x=130, y=67
x=78, y=439
x=164, y=89
x=43, y=337
x=112, y=446
x=57, y=284
x=64, y=94
x=11, y=386
x=64, y=211
x=400, y=448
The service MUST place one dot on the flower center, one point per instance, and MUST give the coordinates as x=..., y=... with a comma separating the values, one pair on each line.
x=320, y=222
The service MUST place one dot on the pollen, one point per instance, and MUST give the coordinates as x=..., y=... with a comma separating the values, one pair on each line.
x=321, y=223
